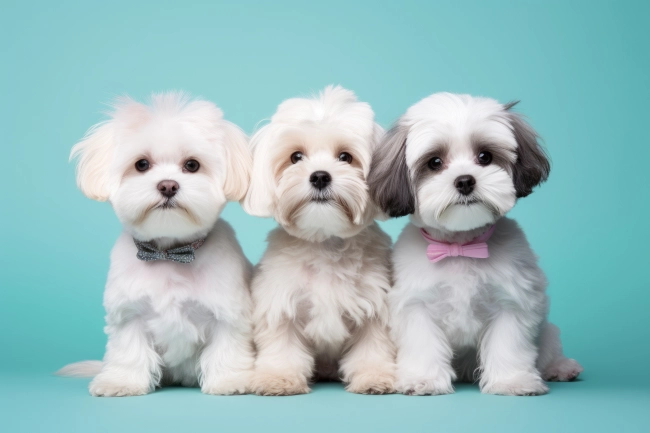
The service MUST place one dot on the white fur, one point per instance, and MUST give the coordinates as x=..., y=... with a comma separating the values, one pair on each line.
x=168, y=322
x=320, y=289
x=464, y=318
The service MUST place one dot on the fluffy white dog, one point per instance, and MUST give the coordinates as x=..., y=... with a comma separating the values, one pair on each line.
x=177, y=296
x=469, y=296
x=320, y=290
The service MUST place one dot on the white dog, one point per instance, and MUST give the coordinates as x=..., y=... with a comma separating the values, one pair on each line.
x=177, y=296
x=457, y=164
x=320, y=290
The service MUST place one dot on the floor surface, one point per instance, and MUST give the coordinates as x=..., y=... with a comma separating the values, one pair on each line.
x=42, y=402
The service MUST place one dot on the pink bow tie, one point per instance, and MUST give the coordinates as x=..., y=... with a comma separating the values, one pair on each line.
x=476, y=248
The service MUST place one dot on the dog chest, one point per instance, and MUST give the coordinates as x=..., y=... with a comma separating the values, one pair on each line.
x=322, y=307
x=329, y=303
x=461, y=306
x=179, y=329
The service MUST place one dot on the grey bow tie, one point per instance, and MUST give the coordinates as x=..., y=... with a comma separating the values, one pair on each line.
x=185, y=254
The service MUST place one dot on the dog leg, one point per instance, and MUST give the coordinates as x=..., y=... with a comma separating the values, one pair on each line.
x=368, y=365
x=508, y=354
x=554, y=366
x=423, y=353
x=284, y=362
x=131, y=365
x=227, y=360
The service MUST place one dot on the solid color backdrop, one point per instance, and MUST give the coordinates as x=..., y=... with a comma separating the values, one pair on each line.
x=580, y=69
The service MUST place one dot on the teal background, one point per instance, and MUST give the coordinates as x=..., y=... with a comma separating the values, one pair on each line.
x=580, y=68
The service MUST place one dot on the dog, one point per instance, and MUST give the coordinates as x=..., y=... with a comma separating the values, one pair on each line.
x=319, y=292
x=178, y=307
x=468, y=298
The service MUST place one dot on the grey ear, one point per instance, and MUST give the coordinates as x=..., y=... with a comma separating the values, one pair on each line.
x=389, y=180
x=532, y=166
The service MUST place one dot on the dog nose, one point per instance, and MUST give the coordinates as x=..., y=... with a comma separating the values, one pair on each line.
x=465, y=184
x=320, y=179
x=168, y=188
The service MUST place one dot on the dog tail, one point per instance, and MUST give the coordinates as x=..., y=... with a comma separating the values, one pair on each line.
x=81, y=369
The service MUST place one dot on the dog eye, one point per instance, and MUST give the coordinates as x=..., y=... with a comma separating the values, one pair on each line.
x=435, y=163
x=295, y=157
x=191, y=165
x=345, y=157
x=142, y=165
x=484, y=158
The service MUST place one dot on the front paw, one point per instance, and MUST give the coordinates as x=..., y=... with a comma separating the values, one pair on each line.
x=232, y=384
x=432, y=385
x=103, y=386
x=520, y=384
x=278, y=383
x=373, y=381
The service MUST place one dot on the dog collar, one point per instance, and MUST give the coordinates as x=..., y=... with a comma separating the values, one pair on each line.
x=477, y=248
x=185, y=254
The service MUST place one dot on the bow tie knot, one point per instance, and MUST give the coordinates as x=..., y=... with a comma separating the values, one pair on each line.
x=476, y=248
x=183, y=254
x=455, y=249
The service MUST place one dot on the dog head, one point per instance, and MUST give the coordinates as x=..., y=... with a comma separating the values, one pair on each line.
x=456, y=162
x=310, y=165
x=167, y=168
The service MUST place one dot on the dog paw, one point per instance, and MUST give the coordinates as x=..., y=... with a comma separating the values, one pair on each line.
x=233, y=384
x=102, y=387
x=276, y=383
x=521, y=384
x=563, y=370
x=372, y=382
x=426, y=386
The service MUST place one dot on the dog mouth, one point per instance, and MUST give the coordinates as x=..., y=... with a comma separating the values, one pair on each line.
x=321, y=198
x=168, y=204
x=468, y=201
x=472, y=201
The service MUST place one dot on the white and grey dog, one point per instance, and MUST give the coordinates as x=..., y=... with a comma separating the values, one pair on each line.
x=457, y=164
x=177, y=296
x=320, y=290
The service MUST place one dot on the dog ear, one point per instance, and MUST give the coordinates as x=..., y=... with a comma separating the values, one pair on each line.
x=95, y=152
x=389, y=178
x=261, y=190
x=240, y=162
x=206, y=116
x=532, y=166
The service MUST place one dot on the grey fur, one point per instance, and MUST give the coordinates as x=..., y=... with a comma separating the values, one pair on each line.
x=507, y=106
x=500, y=155
x=532, y=166
x=389, y=178
x=421, y=170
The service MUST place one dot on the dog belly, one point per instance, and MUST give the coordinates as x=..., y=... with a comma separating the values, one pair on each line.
x=327, y=366
x=178, y=338
x=185, y=373
x=327, y=352
x=327, y=334
x=175, y=349
x=463, y=333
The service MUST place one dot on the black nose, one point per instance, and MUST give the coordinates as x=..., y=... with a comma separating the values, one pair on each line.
x=168, y=188
x=320, y=179
x=465, y=184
